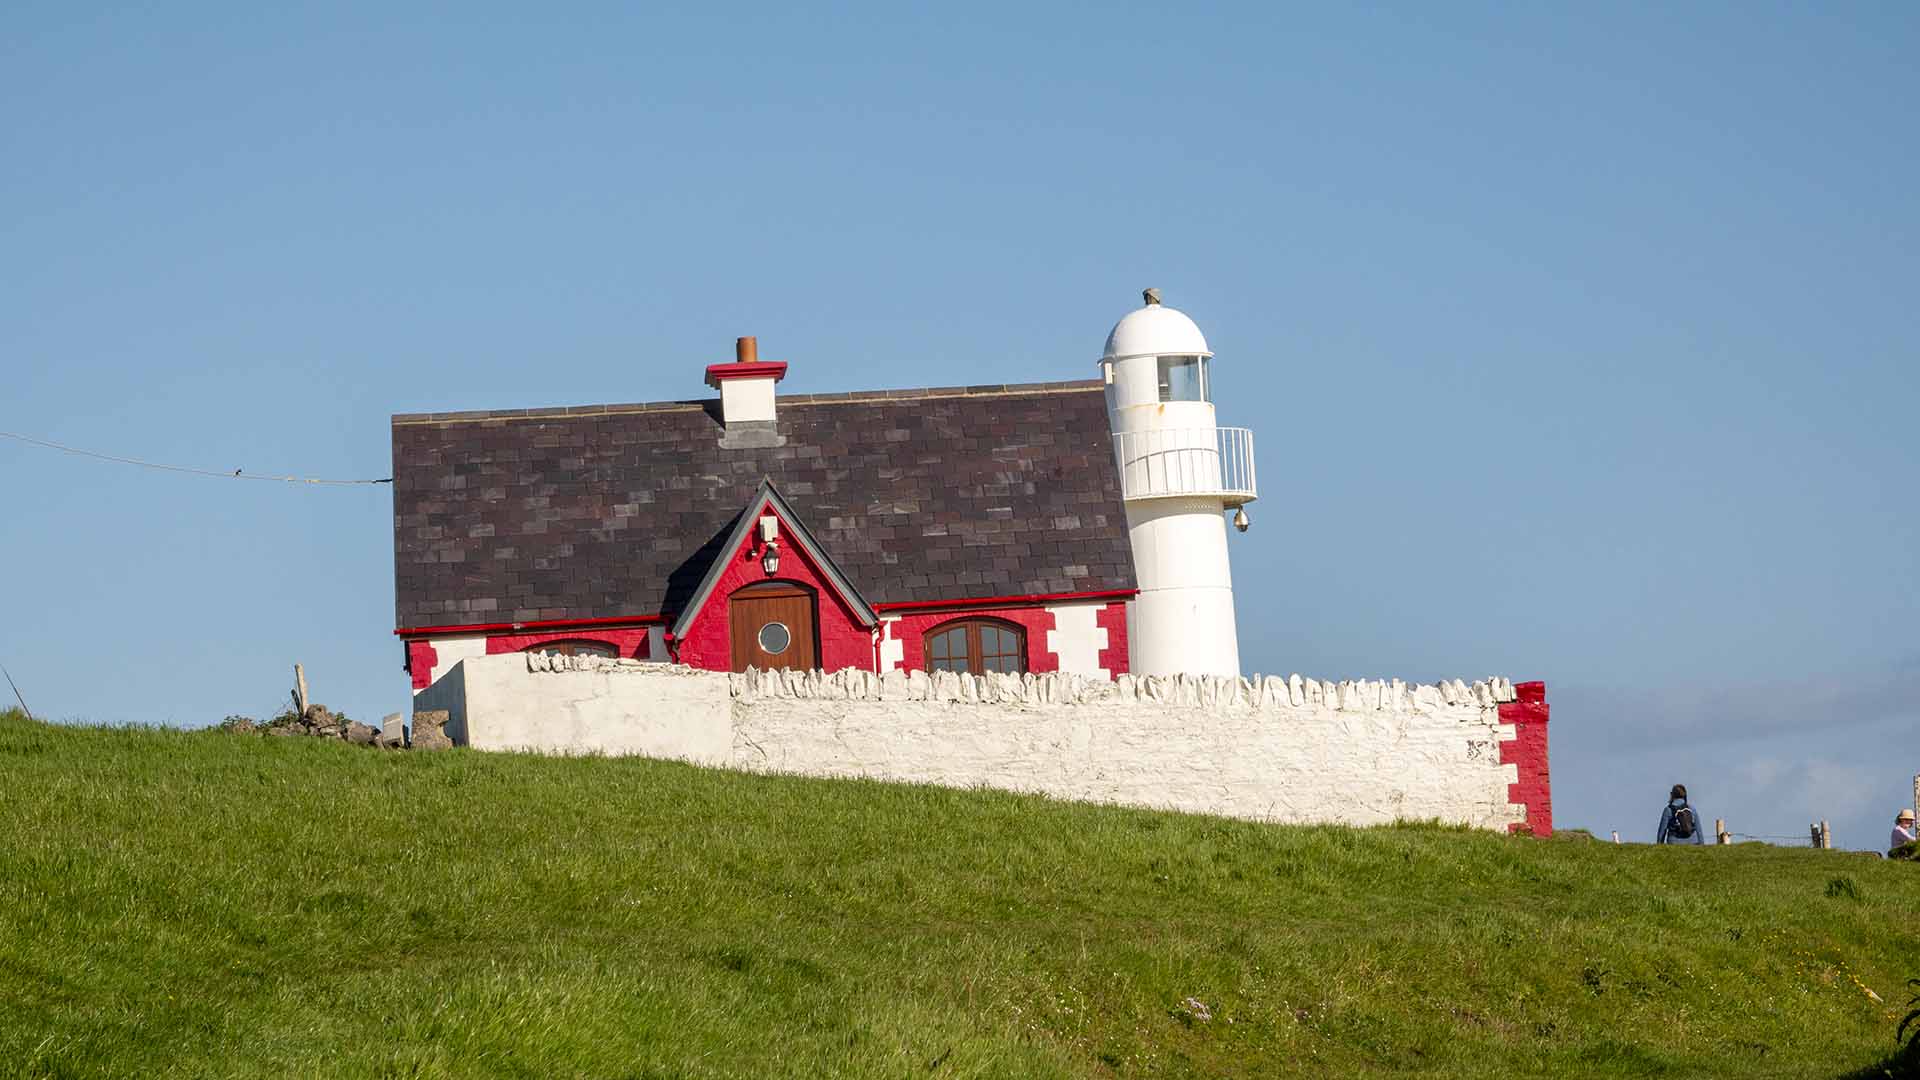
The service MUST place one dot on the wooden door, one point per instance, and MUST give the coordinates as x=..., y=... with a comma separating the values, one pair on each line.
x=773, y=627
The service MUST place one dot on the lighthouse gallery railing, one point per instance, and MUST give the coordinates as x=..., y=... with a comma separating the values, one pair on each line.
x=1186, y=461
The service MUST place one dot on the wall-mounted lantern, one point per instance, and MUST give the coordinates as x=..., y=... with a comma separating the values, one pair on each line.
x=769, y=548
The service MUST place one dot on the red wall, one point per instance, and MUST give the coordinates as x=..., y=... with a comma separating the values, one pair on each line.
x=627, y=641
x=420, y=661
x=1528, y=750
x=911, y=632
x=1114, y=656
x=708, y=642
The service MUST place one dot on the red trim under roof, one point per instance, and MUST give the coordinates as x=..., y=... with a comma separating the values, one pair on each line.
x=757, y=369
x=545, y=624
x=1007, y=601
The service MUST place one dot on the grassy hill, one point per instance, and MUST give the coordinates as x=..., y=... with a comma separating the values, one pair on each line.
x=189, y=904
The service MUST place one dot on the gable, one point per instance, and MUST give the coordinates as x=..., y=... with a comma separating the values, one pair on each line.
x=794, y=542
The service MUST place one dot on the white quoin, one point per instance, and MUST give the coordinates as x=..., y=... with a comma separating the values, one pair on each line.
x=1179, y=473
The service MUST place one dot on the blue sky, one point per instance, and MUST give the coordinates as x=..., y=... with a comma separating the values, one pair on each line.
x=1580, y=344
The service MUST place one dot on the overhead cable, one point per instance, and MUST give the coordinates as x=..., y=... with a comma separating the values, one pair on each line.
x=237, y=474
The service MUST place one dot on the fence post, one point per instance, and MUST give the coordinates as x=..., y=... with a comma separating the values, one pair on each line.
x=1826, y=835
x=1720, y=834
x=29, y=712
x=299, y=691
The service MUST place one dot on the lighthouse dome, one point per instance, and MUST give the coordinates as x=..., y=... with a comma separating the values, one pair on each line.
x=1155, y=330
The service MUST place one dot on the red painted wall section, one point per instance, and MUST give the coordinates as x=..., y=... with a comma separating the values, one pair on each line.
x=708, y=642
x=627, y=641
x=1114, y=657
x=911, y=632
x=420, y=661
x=1528, y=750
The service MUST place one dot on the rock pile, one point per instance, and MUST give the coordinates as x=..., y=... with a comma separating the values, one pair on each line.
x=320, y=722
x=430, y=730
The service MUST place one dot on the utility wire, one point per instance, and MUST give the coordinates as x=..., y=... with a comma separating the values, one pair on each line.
x=236, y=474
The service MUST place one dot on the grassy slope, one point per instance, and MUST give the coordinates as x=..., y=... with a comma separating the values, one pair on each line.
x=202, y=904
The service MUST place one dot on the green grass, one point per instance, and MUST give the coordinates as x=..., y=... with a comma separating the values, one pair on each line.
x=199, y=904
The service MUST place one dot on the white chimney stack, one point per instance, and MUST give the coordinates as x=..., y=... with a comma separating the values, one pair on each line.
x=746, y=385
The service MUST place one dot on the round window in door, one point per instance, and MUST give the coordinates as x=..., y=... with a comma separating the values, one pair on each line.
x=775, y=637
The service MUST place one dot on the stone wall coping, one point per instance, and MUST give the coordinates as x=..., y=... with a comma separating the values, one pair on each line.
x=1053, y=688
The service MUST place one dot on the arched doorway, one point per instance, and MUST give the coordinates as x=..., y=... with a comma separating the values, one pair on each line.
x=773, y=626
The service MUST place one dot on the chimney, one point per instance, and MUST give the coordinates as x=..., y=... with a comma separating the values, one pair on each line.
x=746, y=385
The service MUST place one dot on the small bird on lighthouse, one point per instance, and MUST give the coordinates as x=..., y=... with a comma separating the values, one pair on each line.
x=1180, y=472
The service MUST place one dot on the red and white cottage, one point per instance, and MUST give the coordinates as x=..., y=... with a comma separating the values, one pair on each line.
x=1050, y=527
x=975, y=528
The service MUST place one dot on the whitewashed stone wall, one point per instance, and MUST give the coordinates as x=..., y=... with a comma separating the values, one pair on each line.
x=1294, y=749
x=585, y=705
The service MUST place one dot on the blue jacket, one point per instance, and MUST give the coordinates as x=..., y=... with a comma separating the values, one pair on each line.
x=1666, y=823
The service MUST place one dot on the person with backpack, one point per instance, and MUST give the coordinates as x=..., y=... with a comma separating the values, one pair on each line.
x=1679, y=822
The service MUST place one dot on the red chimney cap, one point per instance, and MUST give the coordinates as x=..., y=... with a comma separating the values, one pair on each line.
x=746, y=365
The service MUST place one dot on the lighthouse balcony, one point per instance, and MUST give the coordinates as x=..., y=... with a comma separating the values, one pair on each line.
x=1169, y=462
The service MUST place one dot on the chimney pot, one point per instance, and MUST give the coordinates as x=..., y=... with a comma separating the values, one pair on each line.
x=746, y=350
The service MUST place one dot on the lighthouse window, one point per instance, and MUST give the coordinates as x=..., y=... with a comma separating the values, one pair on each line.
x=1183, y=378
x=977, y=645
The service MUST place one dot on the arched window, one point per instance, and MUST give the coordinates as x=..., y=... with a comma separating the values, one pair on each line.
x=574, y=648
x=977, y=645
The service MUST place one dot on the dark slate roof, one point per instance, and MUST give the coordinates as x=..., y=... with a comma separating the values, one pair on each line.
x=610, y=511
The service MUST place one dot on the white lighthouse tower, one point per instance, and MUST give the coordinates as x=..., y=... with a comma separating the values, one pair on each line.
x=1180, y=473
